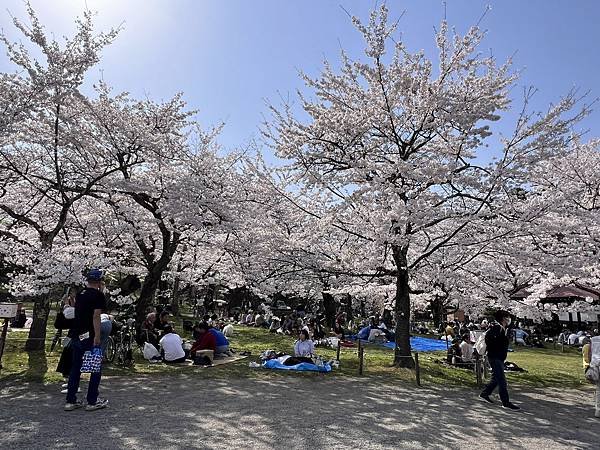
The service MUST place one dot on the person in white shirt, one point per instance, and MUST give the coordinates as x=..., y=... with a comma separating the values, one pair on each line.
x=304, y=347
x=228, y=330
x=259, y=320
x=172, y=346
x=466, y=349
x=573, y=339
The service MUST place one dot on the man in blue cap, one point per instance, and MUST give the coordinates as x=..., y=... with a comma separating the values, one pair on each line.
x=85, y=335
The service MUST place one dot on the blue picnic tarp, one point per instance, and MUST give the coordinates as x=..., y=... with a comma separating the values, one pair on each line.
x=303, y=367
x=421, y=344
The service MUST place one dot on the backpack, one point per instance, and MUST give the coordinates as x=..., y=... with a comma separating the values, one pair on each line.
x=480, y=345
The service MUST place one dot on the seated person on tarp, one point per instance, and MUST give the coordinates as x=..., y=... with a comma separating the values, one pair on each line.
x=389, y=334
x=286, y=326
x=161, y=322
x=259, y=320
x=454, y=354
x=466, y=351
x=147, y=332
x=204, y=339
x=304, y=350
x=338, y=329
x=275, y=324
x=376, y=335
x=171, y=346
x=317, y=327
x=20, y=317
x=221, y=342
x=573, y=339
x=228, y=330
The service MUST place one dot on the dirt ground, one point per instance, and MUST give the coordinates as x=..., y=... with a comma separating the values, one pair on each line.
x=293, y=412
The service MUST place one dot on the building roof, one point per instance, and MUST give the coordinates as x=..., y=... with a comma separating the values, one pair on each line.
x=571, y=292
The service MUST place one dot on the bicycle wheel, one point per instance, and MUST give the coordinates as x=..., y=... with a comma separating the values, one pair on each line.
x=127, y=356
x=109, y=352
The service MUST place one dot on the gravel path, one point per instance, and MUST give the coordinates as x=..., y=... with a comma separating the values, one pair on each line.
x=292, y=412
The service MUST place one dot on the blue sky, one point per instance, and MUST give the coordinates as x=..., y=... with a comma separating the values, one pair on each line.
x=229, y=56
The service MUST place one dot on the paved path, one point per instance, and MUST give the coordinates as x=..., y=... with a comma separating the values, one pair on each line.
x=292, y=412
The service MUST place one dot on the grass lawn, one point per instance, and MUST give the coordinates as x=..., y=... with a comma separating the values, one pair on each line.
x=545, y=367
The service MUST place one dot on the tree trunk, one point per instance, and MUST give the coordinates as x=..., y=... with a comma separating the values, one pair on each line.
x=149, y=287
x=175, y=298
x=37, y=332
x=402, y=354
x=329, y=306
x=437, y=310
x=349, y=310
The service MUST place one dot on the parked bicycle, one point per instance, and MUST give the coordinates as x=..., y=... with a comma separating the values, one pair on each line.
x=120, y=345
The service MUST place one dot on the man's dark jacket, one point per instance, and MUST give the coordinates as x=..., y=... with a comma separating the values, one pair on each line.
x=496, y=341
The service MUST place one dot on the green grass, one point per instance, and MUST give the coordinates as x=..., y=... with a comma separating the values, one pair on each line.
x=545, y=367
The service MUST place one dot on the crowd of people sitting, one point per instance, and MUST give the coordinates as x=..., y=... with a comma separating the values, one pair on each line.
x=209, y=339
x=575, y=339
x=209, y=335
x=293, y=323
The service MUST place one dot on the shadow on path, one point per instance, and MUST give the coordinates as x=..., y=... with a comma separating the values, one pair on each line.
x=318, y=412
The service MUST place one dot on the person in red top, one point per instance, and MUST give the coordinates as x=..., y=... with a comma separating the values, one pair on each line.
x=204, y=339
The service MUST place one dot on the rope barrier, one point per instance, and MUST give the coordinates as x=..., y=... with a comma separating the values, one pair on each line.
x=26, y=339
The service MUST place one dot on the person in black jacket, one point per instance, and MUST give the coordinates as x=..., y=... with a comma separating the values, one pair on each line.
x=496, y=340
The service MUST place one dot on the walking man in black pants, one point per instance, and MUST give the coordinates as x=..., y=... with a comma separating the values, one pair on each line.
x=496, y=340
x=85, y=335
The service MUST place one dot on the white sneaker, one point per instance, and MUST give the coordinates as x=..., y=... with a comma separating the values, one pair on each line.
x=100, y=403
x=64, y=385
x=73, y=406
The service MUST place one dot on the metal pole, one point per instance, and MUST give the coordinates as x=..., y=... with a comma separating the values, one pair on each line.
x=485, y=368
x=597, y=412
x=417, y=369
x=361, y=352
x=478, y=370
x=3, y=340
x=338, y=351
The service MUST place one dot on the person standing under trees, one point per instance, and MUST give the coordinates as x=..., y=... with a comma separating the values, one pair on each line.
x=496, y=340
x=85, y=335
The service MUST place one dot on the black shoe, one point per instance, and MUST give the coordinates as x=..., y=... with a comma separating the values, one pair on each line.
x=486, y=398
x=509, y=405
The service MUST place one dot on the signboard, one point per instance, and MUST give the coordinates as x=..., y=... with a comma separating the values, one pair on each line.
x=8, y=310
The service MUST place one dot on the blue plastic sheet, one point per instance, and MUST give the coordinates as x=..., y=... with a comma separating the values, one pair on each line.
x=302, y=367
x=421, y=344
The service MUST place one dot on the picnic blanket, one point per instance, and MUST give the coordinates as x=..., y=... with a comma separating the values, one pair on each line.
x=302, y=367
x=421, y=344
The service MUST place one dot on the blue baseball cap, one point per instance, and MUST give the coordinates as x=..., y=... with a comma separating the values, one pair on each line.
x=95, y=275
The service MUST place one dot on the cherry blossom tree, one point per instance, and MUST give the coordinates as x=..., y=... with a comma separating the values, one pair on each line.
x=396, y=144
x=48, y=160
